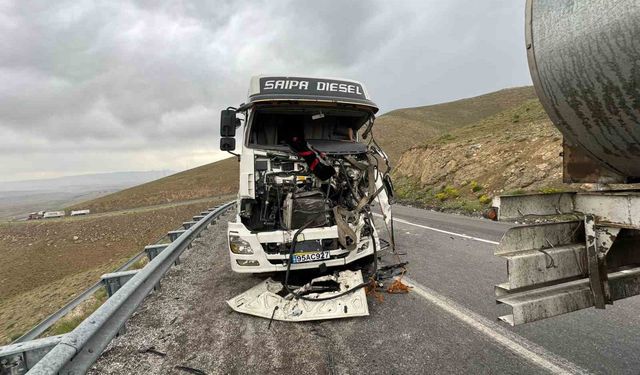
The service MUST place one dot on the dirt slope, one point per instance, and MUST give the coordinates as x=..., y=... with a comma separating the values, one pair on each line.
x=219, y=178
x=47, y=262
x=401, y=129
x=514, y=151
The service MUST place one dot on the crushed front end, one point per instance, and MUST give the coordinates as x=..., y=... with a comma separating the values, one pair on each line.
x=310, y=172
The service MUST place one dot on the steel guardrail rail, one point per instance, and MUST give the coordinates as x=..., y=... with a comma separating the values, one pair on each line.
x=80, y=348
x=41, y=327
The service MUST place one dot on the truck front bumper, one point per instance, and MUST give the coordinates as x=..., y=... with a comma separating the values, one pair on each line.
x=260, y=261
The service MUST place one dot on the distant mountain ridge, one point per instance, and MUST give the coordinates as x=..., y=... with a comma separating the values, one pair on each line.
x=18, y=198
x=112, y=179
x=206, y=181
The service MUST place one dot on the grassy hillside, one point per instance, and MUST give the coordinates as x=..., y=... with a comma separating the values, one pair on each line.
x=513, y=151
x=47, y=262
x=401, y=129
x=219, y=178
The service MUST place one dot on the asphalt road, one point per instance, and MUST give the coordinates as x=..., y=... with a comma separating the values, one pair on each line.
x=465, y=270
x=447, y=324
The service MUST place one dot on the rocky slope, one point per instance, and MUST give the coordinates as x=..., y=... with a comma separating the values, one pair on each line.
x=514, y=151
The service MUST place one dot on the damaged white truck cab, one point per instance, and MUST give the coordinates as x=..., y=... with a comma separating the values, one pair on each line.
x=307, y=180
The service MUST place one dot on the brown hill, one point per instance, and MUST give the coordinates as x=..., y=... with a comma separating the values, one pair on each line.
x=47, y=262
x=401, y=129
x=210, y=180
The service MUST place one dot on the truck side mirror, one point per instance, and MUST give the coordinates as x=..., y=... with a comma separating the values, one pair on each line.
x=227, y=144
x=228, y=123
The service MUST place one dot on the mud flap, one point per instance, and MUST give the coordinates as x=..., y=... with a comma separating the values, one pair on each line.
x=264, y=300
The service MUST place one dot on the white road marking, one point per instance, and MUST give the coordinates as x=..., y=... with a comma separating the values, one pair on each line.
x=442, y=231
x=502, y=336
x=509, y=340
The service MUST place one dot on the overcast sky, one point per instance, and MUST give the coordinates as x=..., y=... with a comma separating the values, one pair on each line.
x=100, y=86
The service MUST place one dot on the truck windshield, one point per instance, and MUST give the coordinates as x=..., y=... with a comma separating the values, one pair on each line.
x=273, y=127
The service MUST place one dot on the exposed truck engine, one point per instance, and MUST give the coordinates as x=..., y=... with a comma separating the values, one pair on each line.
x=584, y=58
x=303, y=168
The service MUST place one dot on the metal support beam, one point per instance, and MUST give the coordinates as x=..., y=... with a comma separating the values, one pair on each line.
x=597, y=267
x=599, y=240
x=618, y=208
x=560, y=267
x=510, y=207
x=540, y=254
x=567, y=297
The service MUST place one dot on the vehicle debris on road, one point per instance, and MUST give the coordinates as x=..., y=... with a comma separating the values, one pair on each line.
x=336, y=296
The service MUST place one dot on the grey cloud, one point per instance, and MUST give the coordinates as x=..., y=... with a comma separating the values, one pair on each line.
x=90, y=86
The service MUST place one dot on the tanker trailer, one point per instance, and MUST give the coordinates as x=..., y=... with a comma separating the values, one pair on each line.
x=584, y=59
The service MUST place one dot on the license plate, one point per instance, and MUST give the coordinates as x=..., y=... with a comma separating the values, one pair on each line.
x=310, y=256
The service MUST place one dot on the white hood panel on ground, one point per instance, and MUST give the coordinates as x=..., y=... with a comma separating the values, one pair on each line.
x=263, y=301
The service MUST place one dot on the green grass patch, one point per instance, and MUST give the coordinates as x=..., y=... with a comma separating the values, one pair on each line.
x=140, y=263
x=550, y=190
x=516, y=192
x=79, y=314
x=484, y=199
x=475, y=186
x=447, y=137
x=448, y=192
x=464, y=205
x=15, y=336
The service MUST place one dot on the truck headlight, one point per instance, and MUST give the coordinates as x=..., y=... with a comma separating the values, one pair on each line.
x=239, y=246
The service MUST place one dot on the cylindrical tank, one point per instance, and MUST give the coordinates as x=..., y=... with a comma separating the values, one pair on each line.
x=584, y=57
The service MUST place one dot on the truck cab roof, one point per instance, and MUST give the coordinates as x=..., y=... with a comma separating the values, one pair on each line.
x=266, y=88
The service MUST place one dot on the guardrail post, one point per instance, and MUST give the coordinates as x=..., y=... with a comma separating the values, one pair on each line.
x=153, y=251
x=17, y=359
x=175, y=234
x=188, y=224
x=114, y=281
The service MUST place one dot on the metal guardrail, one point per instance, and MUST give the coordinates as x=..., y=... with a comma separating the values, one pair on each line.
x=76, y=351
x=39, y=329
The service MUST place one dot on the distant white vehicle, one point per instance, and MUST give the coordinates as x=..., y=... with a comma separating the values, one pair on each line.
x=80, y=212
x=53, y=214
